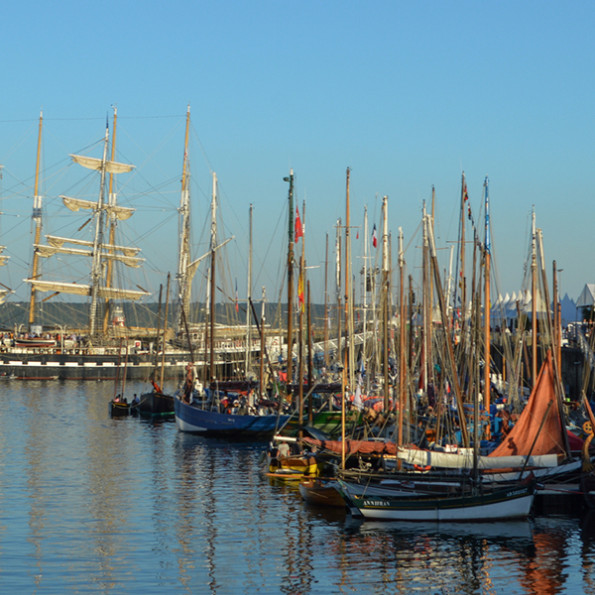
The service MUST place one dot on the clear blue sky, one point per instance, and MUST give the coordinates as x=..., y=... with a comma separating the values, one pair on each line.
x=407, y=94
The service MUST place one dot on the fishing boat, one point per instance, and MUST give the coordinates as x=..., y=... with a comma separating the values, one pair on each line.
x=281, y=463
x=197, y=418
x=513, y=502
x=321, y=492
x=119, y=407
x=155, y=404
x=293, y=467
x=210, y=411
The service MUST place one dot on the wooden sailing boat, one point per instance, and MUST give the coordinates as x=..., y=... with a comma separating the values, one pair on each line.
x=155, y=403
x=209, y=412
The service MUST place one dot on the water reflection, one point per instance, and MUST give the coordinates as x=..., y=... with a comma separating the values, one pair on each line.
x=127, y=505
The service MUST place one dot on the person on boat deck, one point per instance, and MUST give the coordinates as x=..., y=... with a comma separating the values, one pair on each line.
x=283, y=449
x=135, y=399
x=118, y=398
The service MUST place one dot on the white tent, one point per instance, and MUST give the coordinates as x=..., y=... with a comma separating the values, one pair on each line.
x=587, y=296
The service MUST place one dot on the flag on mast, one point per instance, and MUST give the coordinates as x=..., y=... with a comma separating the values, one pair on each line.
x=299, y=230
x=237, y=305
x=374, y=238
x=301, y=290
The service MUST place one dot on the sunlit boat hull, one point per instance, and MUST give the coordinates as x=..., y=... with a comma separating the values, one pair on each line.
x=190, y=417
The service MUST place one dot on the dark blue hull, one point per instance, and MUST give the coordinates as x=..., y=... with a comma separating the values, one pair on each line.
x=196, y=420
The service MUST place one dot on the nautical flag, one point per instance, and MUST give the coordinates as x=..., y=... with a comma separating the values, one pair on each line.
x=374, y=238
x=465, y=195
x=237, y=305
x=301, y=290
x=357, y=235
x=299, y=230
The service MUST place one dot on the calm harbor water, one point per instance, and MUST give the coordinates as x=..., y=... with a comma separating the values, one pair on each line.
x=91, y=504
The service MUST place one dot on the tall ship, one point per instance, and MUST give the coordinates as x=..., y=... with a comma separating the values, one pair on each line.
x=106, y=348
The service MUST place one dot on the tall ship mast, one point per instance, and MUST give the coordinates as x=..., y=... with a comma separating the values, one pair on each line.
x=99, y=251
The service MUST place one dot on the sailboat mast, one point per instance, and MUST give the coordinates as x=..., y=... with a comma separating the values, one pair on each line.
x=37, y=220
x=309, y=356
x=425, y=305
x=112, y=225
x=533, y=300
x=445, y=323
x=98, y=241
x=164, y=333
x=184, y=280
x=349, y=360
x=463, y=280
x=249, y=292
x=213, y=285
x=326, y=304
x=487, y=304
x=301, y=298
x=290, y=285
x=365, y=289
x=402, y=330
x=262, y=343
x=385, y=293
x=338, y=355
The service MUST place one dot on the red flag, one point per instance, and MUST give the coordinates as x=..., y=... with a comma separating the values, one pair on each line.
x=301, y=290
x=299, y=230
x=357, y=235
x=237, y=305
x=374, y=238
x=465, y=195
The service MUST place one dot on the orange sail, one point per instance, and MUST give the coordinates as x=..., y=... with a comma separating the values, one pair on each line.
x=539, y=429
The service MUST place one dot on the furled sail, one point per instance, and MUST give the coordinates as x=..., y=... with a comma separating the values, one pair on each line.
x=57, y=241
x=45, y=251
x=111, y=167
x=75, y=204
x=84, y=289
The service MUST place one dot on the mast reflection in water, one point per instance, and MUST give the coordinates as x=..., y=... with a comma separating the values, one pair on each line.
x=90, y=503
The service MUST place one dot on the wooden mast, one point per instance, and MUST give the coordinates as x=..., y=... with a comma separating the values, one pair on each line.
x=385, y=294
x=262, y=343
x=248, y=310
x=111, y=197
x=365, y=291
x=164, y=334
x=533, y=301
x=212, y=279
x=96, y=270
x=487, y=307
x=290, y=286
x=463, y=280
x=309, y=344
x=184, y=274
x=402, y=340
x=326, y=304
x=449, y=347
x=37, y=219
x=349, y=354
x=301, y=298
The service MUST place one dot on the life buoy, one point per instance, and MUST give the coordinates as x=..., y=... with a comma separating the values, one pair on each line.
x=423, y=468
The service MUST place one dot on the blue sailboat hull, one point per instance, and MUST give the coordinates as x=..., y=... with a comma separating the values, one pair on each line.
x=191, y=417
